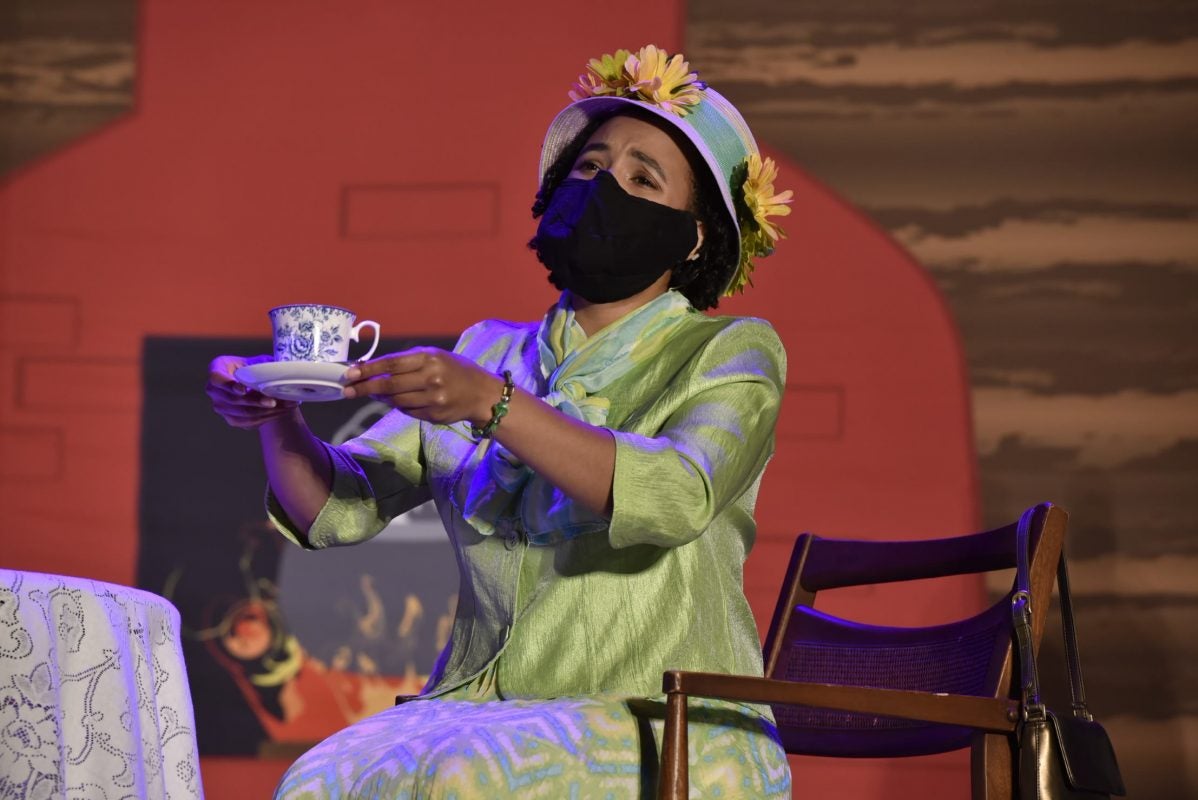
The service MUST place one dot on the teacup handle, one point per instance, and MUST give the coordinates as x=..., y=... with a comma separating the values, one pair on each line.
x=353, y=335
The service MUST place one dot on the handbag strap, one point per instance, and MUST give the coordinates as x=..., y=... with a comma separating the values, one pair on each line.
x=1021, y=613
x=1077, y=688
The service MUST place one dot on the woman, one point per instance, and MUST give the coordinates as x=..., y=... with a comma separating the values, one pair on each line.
x=596, y=472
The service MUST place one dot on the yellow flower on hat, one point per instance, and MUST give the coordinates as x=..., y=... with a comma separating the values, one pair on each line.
x=760, y=198
x=651, y=75
x=759, y=201
x=665, y=81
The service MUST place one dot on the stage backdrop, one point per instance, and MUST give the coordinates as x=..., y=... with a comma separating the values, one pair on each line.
x=382, y=157
x=283, y=646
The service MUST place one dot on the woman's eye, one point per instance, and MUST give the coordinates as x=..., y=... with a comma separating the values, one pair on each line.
x=586, y=166
x=644, y=180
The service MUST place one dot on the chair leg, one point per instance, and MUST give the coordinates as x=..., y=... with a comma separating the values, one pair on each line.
x=992, y=767
x=674, y=782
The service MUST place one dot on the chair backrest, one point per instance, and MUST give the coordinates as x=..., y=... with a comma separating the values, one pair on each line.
x=970, y=656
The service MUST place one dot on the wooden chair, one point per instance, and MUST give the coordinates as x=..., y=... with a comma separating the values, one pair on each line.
x=840, y=688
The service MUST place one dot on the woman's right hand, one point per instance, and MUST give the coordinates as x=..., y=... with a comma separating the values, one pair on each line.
x=239, y=405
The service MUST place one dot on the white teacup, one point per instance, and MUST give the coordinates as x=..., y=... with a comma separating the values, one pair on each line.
x=313, y=332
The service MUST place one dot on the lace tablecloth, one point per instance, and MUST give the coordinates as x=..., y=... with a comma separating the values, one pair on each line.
x=93, y=693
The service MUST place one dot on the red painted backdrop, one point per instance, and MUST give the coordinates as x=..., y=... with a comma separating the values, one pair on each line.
x=382, y=156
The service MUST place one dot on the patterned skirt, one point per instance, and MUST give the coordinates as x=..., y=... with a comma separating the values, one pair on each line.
x=582, y=747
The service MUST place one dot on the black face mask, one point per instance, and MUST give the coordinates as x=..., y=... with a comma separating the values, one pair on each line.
x=604, y=245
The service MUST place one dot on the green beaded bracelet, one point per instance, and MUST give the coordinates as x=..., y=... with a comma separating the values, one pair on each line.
x=498, y=411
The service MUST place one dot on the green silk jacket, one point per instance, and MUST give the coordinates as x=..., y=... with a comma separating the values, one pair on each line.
x=658, y=585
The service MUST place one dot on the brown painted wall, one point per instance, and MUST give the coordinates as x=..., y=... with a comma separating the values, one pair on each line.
x=1038, y=159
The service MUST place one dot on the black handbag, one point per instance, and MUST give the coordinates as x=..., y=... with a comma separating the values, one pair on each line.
x=1061, y=757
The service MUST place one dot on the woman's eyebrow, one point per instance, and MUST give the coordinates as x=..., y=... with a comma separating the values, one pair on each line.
x=593, y=147
x=649, y=162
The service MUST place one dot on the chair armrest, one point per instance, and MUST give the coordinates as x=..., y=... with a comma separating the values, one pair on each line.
x=983, y=713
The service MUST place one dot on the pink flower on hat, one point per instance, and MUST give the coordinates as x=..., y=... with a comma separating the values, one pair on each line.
x=604, y=76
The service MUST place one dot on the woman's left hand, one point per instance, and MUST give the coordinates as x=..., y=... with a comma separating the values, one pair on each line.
x=429, y=384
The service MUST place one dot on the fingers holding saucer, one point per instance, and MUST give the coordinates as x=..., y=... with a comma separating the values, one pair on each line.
x=391, y=364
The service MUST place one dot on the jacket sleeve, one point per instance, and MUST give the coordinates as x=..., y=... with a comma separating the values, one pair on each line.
x=376, y=477
x=382, y=473
x=712, y=448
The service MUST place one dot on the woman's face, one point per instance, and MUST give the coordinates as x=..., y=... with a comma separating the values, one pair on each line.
x=642, y=157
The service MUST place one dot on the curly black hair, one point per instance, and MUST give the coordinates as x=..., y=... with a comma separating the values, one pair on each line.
x=702, y=280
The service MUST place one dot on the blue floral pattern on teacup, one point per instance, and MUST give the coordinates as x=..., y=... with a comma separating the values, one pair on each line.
x=311, y=332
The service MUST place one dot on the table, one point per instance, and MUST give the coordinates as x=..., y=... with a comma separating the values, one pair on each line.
x=94, y=701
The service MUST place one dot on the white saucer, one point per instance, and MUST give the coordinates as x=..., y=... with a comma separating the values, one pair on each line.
x=312, y=381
